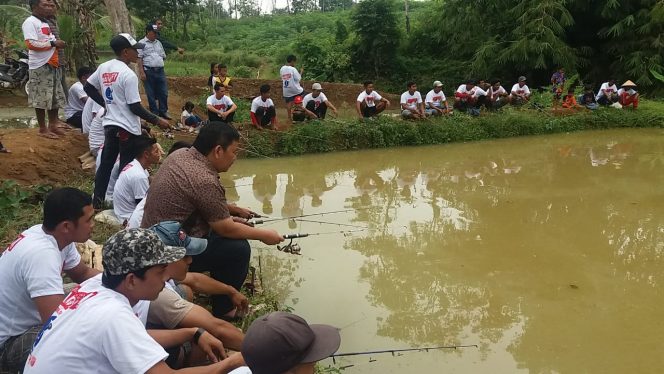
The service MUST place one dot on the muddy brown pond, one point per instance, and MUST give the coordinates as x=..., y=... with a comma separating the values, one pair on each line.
x=546, y=252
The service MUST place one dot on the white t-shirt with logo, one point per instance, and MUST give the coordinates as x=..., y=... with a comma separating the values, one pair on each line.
x=437, y=99
x=74, y=103
x=411, y=101
x=369, y=99
x=36, y=29
x=222, y=104
x=89, y=112
x=94, y=330
x=290, y=79
x=30, y=267
x=118, y=84
x=96, y=134
x=132, y=185
x=317, y=100
x=520, y=90
x=499, y=91
x=473, y=92
x=605, y=87
x=258, y=102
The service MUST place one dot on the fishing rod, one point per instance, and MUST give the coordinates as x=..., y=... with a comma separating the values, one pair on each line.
x=272, y=219
x=294, y=248
x=328, y=223
x=395, y=351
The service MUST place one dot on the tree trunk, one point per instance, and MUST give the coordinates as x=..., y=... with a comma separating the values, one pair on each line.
x=119, y=15
x=85, y=19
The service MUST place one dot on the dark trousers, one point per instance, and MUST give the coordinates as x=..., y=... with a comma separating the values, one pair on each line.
x=265, y=116
x=603, y=100
x=320, y=111
x=213, y=117
x=156, y=90
x=227, y=260
x=76, y=120
x=116, y=141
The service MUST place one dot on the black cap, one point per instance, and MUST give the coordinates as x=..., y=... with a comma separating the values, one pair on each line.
x=150, y=27
x=124, y=40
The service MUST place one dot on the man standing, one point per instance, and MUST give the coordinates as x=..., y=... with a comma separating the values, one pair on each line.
x=520, y=93
x=123, y=107
x=412, y=106
x=151, y=71
x=186, y=189
x=77, y=98
x=30, y=272
x=220, y=107
x=45, y=90
x=436, y=102
x=290, y=78
x=317, y=103
x=369, y=103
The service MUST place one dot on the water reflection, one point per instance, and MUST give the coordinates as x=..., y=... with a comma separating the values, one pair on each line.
x=551, y=244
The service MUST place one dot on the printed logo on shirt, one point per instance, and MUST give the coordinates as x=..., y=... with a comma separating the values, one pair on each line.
x=15, y=242
x=370, y=99
x=411, y=100
x=127, y=167
x=109, y=78
x=437, y=98
x=108, y=93
x=219, y=106
x=45, y=29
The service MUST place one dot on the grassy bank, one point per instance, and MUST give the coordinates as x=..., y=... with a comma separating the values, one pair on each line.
x=330, y=135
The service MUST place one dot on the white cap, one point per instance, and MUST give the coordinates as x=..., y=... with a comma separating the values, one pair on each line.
x=316, y=86
x=437, y=84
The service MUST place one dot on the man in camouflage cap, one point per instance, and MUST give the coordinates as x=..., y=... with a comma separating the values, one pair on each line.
x=97, y=317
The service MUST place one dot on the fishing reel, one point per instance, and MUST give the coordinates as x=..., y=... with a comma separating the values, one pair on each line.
x=292, y=248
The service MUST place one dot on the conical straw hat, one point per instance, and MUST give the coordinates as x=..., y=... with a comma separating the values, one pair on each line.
x=629, y=84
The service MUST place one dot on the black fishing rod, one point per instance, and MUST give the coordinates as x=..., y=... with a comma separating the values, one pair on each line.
x=395, y=351
x=270, y=219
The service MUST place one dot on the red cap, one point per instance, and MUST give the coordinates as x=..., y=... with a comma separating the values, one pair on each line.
x=298, y=100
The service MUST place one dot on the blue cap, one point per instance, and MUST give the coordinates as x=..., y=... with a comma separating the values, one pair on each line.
x=171, y=234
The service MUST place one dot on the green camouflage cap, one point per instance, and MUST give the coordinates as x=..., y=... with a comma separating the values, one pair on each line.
x=134, y=249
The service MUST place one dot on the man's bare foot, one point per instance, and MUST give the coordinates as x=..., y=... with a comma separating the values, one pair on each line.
x=48, y=134
x=63, y=125
x=56, y=130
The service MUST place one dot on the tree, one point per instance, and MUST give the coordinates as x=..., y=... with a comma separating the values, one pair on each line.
x=377, y=37
x=301, y=6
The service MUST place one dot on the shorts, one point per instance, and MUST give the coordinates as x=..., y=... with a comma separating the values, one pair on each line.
x=168, y=310
x=15, y=351
x=291, y=98
x=45, y=88
x=406, y=113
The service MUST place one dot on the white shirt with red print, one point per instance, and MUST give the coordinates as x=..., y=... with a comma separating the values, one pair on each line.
x=222, y=105
x=435, y=99
x=473, y=92
x=411, y=101
x=94, y=330
x=132, y=185
x=321, y=98
x=370, y=99
x=520, y=90
x=38, y=32
x=30, y=267
x=606, y=89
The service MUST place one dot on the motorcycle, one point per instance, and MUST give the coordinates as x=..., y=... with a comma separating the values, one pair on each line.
x=14, y=72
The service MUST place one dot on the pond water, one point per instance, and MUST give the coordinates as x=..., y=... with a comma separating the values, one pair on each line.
x=546, y=252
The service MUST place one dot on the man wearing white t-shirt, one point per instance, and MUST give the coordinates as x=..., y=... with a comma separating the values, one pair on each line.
x=96, y=132
x=412, y=105
x=30, y=272
x=497, y=95
x=436, y=102
x=77, y=98
x=121, y=99
x=290, y=79
x=370, y=103
x=608, y=93
x=520, y=93
x=469, y=97
x=316, y=103
x=220, y=107
x=95, y=328
x=132, y=185
x=45, y=90
x=263, y=112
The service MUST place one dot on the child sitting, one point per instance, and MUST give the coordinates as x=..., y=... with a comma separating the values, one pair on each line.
x=188, y=118
x=587, y=99
x=569, y=101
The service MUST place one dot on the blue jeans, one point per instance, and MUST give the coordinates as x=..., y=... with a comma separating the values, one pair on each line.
x=156, y=90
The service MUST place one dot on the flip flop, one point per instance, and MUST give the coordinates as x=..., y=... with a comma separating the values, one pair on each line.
x=49, y=135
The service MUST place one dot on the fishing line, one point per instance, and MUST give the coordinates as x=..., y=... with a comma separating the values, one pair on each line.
x=395, y=351
x=329, y=223
x=258, y=222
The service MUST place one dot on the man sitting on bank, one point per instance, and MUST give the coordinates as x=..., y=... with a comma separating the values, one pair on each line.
x=497, y=95
x=95, y=328
x=436, y=102
x=186, y=189
x=77, y=98
x=628, y=95
x=220, y=107
x=412, y=105
x=608, y=93
x=31, y=268
x=263, y=112
x=132, y=184
x=520, y=93
x=469, y=97
x=369, y=102
x=316, y=102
